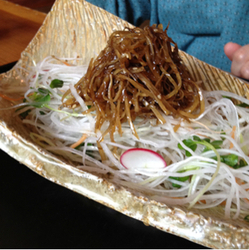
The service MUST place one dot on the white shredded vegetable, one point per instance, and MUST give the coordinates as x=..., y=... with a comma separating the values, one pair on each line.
x=193, y=176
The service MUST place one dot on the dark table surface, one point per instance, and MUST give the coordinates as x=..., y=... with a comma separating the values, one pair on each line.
x=36, y=213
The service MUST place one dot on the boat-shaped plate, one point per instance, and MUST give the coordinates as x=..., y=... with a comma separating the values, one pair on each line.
x=77, y=27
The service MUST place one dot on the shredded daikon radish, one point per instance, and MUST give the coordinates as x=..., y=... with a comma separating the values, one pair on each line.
x=191, y=176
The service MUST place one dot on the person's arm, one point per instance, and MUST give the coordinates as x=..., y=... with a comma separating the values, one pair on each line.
x=133, y=11
x=239, y=55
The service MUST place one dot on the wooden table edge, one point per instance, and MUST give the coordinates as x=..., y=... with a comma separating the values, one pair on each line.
x=22, y=12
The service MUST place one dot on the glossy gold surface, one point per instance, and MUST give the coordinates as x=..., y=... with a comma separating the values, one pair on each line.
x=77, y=27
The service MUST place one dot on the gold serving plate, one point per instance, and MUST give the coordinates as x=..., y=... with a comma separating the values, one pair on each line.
x=75, y=27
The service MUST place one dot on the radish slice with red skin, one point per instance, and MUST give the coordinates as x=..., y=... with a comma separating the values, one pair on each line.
x=142, y=158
